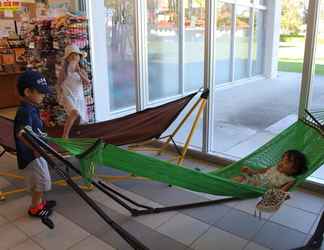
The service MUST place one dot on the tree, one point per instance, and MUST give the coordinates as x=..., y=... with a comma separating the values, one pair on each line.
x=292, y=16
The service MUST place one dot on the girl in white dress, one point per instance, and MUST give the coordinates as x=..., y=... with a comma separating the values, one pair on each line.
x=70, y=94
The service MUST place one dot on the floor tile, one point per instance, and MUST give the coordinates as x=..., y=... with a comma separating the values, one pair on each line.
x=80, y=213
x=112, y=238
x=31, y=226
x=27, y=245
x=275, y=236
x=65, y=235
x=254, y=246
x=3, y=221
x=10, y=236
x=14, y=209
x=314, y=226
x=240, y=224
x=91, y=243
x=209, y=214
x=215, y=238
x=294, y=218
x=248, y=206
x=155, y=220
x=4, y=183
x=157, y=241
x=183, y=228
x=152, y=239
x=306, y=200
x=167, y=195
x=8, y=163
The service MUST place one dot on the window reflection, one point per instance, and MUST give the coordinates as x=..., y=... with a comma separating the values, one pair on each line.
x=121, y=53
x=163, y=49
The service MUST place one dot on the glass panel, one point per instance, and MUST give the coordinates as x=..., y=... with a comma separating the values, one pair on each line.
x=121, y=53
x=163, y=49
x=258, y=43
x=242, y=43
x=260, y=2
x=249, y=115
x=244, y=1
x=223, y=42
x=194, y=44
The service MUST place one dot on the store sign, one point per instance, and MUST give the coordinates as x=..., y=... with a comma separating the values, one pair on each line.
x=9, y=5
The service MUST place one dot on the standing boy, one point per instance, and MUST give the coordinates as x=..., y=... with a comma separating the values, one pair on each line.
x=32, y=88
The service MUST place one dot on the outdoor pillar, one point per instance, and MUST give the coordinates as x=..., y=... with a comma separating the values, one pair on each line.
x=99, y=63
x=272, y=38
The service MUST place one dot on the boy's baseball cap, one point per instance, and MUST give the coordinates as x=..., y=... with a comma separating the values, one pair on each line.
x=33, y=79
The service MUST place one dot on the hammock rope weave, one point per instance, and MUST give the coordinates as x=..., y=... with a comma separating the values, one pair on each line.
x=298, y=136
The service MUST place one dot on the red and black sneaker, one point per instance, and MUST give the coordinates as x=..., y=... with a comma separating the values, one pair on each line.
x=49, y=204
x=40, y=211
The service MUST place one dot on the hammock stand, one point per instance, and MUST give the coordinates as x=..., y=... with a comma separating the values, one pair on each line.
x=201, y=103
x=8, y=145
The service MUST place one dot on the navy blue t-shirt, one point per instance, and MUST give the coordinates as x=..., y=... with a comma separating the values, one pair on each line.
x=27, y=115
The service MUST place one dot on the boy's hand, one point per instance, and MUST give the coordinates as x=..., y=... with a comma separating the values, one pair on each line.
x=36, y=154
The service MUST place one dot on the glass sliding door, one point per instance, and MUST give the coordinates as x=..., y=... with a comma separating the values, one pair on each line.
x=121, y=53
x=248, y=115
x=223, y=42
x=163, y=48
x=242, y=38
x=194, y=34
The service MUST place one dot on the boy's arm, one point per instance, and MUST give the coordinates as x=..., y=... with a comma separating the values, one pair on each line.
x=21, y=137
x=23, y=120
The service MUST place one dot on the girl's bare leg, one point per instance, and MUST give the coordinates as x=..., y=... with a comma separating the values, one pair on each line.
x=73, y=116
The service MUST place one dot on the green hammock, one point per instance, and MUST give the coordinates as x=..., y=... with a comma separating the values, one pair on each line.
x=298, y=136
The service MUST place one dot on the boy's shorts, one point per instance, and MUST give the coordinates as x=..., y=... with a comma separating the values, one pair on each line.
x=37, y=176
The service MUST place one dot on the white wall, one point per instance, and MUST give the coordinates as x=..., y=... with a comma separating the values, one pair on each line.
x=96, y=13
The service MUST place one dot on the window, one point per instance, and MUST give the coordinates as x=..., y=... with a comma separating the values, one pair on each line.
x=163, y=48
x=121, y=53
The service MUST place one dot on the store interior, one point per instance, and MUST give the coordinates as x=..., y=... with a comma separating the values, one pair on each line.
x=33, y=35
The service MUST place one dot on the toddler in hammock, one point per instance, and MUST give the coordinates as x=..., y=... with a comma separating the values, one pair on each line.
x=281, y=176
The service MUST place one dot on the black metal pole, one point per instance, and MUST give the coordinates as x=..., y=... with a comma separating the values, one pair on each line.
x=132, y=241
x=157, y=210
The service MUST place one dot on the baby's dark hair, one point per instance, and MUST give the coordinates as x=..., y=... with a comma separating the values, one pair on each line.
x=299, y=160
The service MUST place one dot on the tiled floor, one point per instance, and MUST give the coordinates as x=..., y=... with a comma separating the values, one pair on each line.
x=227, y=226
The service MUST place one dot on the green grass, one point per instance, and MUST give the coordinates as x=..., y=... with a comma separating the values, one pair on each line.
x=291, y=66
